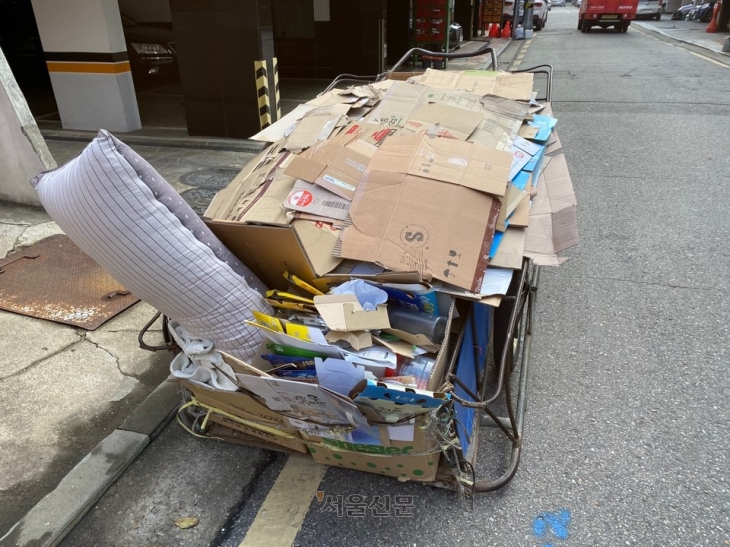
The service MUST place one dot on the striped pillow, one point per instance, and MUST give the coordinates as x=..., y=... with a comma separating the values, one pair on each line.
x=105, y=201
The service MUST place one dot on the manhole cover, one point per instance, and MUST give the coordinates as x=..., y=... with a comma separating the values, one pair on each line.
x=210, y=178
x=199, y=198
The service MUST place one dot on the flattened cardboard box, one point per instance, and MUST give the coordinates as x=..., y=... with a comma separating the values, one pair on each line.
x=447, y=160
x=335, y=168
x=237, y=403
x=282, y=437
x=415, y=467
x=405, y=223
x=553, y=225
x=256, y=193
x=482, y=82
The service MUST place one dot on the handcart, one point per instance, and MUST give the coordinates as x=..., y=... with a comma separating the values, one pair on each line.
x=488, y=360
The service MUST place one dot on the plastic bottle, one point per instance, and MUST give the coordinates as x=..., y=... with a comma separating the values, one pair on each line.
x=416, y=322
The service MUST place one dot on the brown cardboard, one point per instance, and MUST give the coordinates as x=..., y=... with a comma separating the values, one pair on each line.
x=482, y=82
x=447, y=160
x=553, y=221
x=335, y=168
x=357, y=340
x=312, y=199
x=316, y=126
x=553, y=143
x=416, y=467
x=283, y=437
x=256, y=193
x=511, y=249
x=343, y=312
x=442, y=120
x=520, y=217
x=443, y=231
x=237, y=403
x=414, y=459
x=510, y=201
x=498, y=120
x=304, y=249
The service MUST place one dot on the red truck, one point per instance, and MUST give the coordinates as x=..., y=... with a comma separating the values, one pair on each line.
x=607, y=13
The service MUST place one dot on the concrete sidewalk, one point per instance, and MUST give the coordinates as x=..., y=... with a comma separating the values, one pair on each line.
x=68, y=441
x=66, y=390
x=688, y=32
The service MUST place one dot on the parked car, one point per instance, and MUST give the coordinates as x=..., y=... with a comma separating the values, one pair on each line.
x=151, y=49
x=682, y=13
x=539, y=13
x=559, y=3
x=649, y=9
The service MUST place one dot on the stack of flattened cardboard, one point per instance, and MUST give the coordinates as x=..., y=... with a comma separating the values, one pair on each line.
x=427, y=190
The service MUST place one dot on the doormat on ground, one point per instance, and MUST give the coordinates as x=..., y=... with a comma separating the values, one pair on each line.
x=55, y=280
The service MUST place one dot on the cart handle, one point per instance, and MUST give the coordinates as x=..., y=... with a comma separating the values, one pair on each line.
x=486, y=48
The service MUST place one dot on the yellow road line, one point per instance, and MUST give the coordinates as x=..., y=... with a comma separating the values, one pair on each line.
x=718, y=63
x=282, y=514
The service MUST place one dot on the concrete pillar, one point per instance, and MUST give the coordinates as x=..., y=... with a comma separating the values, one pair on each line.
x=88, y=63
x=224, y=48
x=23, y=152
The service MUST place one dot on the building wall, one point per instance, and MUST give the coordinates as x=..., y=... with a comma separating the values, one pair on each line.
x=147, y=11
x=23, y=152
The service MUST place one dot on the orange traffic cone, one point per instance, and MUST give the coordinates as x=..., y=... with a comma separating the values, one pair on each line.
x=507, y=30
x=494, y=30
x=712, y=27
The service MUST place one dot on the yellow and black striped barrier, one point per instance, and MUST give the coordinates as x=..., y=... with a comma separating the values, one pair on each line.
x=262, y=92
x=276, y=88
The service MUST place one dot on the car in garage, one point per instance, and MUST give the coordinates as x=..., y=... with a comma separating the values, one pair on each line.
x=151, y=50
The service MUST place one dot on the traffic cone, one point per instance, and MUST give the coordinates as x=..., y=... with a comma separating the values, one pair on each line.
x=494, y=30
x=712, y=27
x=507, y=30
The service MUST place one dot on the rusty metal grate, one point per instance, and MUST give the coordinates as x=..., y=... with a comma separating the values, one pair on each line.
x=55, y=280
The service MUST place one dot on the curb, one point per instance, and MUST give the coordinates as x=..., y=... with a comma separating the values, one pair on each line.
x=52, y=518
x=193, y=143
x=652, y=30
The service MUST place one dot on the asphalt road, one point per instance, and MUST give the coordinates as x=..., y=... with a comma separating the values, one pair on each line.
x=626, y=436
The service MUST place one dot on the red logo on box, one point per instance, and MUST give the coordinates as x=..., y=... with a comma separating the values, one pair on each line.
x=302, y=198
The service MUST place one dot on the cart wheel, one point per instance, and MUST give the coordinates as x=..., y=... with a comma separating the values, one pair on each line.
x=588, y=28
x=617, y=28
x=625, y=28
x=580, y=24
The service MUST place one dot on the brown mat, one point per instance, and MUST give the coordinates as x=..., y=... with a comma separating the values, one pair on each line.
x=55, y=280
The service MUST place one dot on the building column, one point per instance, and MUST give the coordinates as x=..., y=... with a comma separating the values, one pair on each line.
x=87, y=60
x=225, y=52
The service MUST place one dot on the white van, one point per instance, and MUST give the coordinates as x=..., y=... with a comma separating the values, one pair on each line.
x=649, y=9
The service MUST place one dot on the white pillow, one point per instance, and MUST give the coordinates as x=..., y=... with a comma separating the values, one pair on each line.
x=105, y=200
